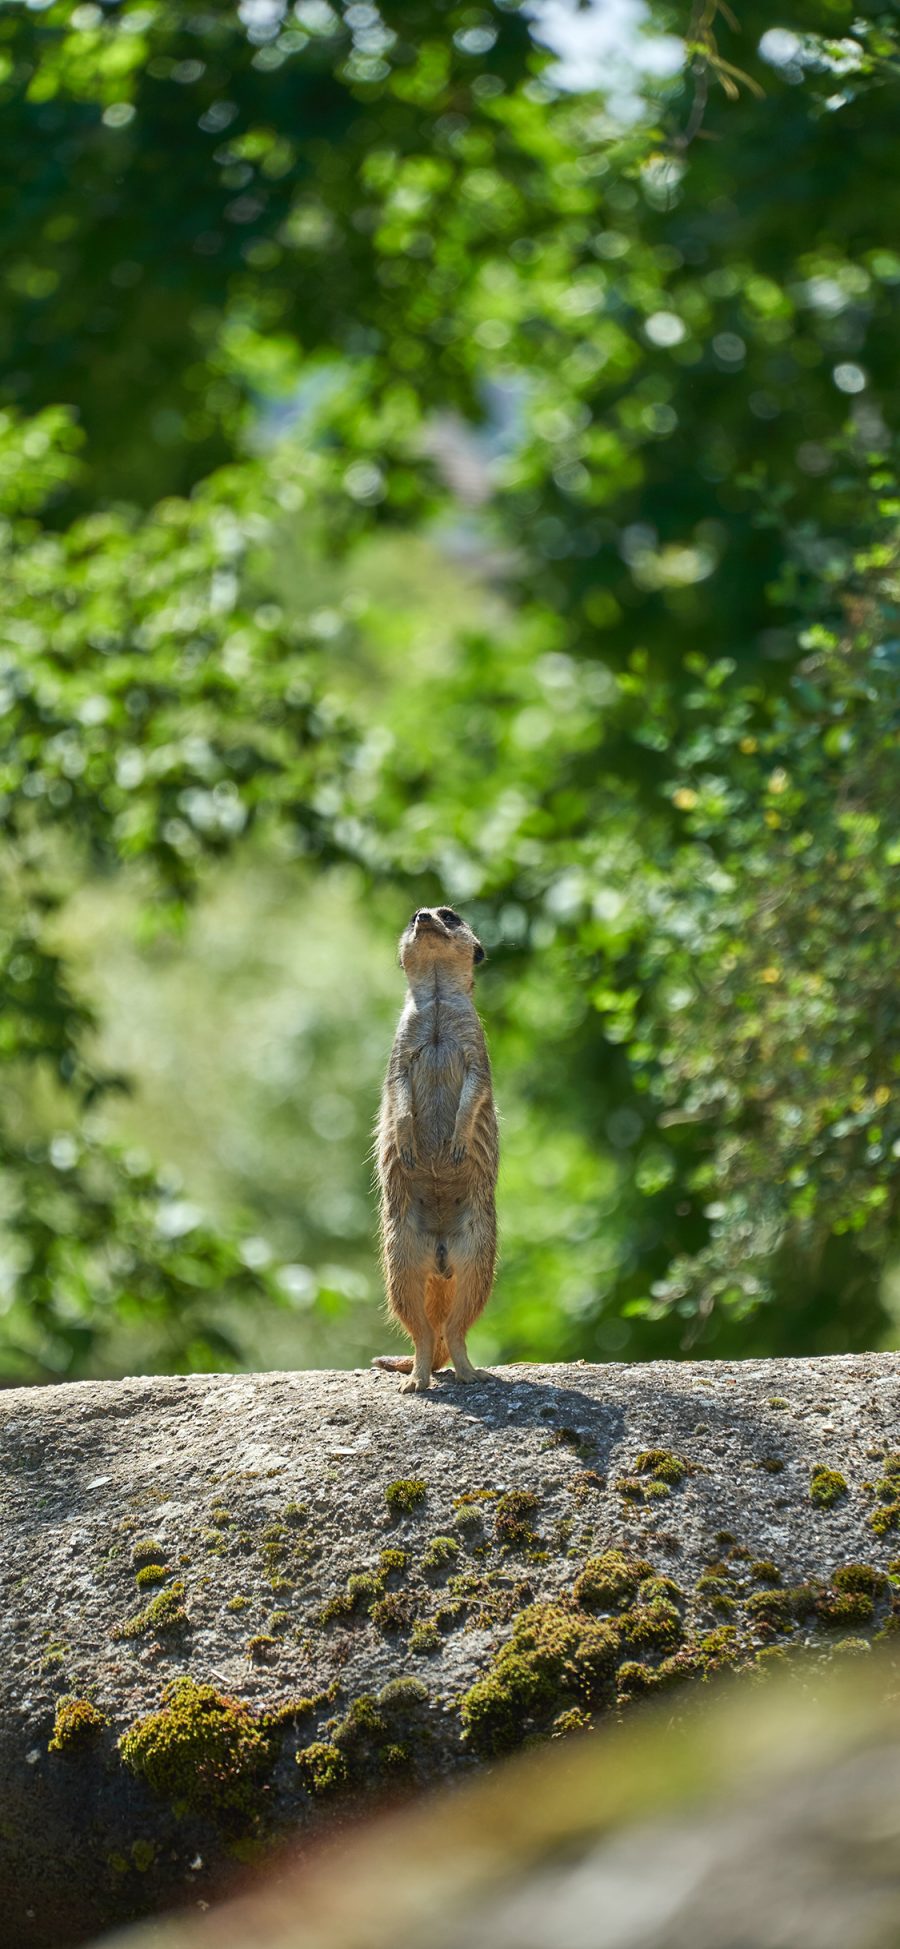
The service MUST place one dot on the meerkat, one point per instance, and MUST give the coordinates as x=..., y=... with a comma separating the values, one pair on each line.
x=437, y=1152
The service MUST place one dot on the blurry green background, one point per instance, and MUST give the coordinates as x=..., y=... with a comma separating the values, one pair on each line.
x=448, y=452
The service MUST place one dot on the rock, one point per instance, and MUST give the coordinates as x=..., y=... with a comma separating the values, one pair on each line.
x=212, y=1585
x=768, y=1819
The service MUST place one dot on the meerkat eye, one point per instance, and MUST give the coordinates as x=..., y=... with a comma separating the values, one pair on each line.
x=449, y=918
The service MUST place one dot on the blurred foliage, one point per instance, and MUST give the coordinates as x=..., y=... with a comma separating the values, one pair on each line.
x=528, y=536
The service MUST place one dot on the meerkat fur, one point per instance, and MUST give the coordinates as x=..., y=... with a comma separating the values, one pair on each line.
x=437, y=1149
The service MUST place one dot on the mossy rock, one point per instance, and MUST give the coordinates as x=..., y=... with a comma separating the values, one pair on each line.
x=203, y=1752
x=548, y=1614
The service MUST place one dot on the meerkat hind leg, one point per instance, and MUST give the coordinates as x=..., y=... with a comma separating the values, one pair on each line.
x=406, y=1298
x=462, y=1365
x=471, y=1299
x=420, y=1379
x=425, y=1338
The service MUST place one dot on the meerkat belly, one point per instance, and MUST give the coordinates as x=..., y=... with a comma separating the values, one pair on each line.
x=437, y=1081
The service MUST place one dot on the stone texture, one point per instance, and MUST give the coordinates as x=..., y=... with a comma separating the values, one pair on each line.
x=209, y=1466
x=761, y=1821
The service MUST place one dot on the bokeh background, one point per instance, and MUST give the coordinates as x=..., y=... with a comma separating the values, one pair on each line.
x=448, y=452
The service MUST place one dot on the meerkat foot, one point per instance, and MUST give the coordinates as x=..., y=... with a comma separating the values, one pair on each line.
x=465, y=1372
x=417, y=1384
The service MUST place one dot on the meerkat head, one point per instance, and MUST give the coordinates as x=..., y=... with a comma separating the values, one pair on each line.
x=438, y=937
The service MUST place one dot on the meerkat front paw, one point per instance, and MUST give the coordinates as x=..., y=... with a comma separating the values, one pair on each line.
x=417, y=1384
x=458, y=1154
x=408, y=1157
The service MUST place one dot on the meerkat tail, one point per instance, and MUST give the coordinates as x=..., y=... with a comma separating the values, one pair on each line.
x=402, y=1363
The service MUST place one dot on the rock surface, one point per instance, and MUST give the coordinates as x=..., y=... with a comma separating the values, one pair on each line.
x=263, y=1496
x=764, y=1820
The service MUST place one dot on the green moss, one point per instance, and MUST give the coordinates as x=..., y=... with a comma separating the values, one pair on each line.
x=152, y=1573
x=403, y=1693
x=261, y=1646
x=393, y=1562
x=861, y=1577
x=425, y=1637
x=556, y=1657
x=76, y=1724
x=441, y=1551
x=715, y=1590
x=324, y=1768
x=653, y=1474
x=774, y=1608
x=394, y=1611
x=845, y=1607
x=147, y=1550
x=773, y=1464
x=826, y=1486
x=651, y=1627
x=718, y=1648
x=143, y=1855
x=468, y=1519
x=585, y=1483
x=883, y=1520
x=661, y=1465
x=563, y=1659
x=292, y=1710
x=164, y=1613
x=363, y=1718
x=361, y=1590
x=237, y=1603
x=53, y=1659
x=887, y=1489
x=635, y=1489
x=778, y=1401
x=610, y=1580
x=203, y=1752
x=405, y=1496
x=635, y=1679
x=450, y=1613
x=378, y=1735
x=220, y=1517
x=512, y=1519
x=654, y=1590
x=574, y=1720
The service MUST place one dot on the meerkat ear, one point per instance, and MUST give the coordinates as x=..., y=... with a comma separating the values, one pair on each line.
x=479, y=954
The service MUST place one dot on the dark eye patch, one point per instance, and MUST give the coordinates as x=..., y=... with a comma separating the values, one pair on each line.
x=449, y=918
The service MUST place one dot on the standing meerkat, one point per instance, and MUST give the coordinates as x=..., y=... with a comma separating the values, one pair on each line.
x=438, y=1152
